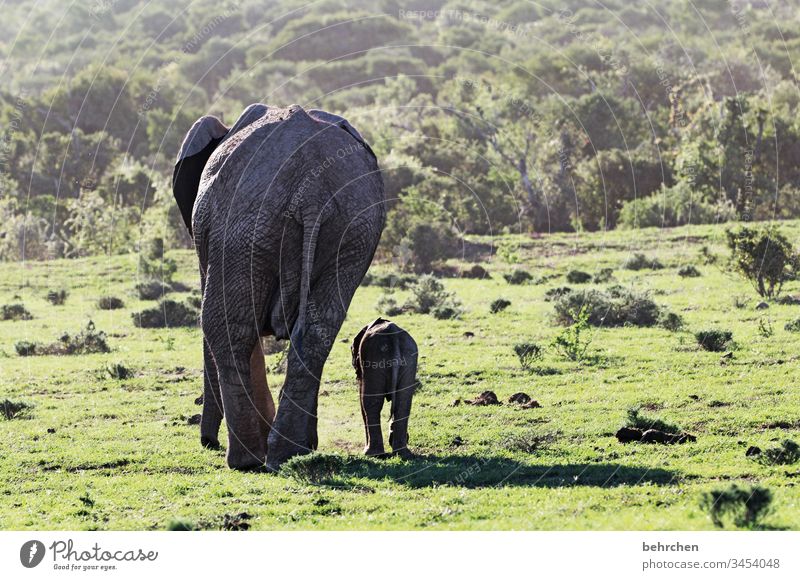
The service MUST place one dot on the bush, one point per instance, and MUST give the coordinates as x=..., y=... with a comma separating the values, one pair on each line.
x=14, y=409
x=670, y=321
x=518, y=277
x=745, y=505
x=87, y=341
x=168, y=314
x=499, y=305
x=117, y=371
x=429, y=244
x=641, y=262
x=615, y=307
x=15, y=312
x=688, y=271
x=25, y=348
x=447, y=312
x=399, y=281
x=786, y=454
x=556, y=293
x=181, y=525
x=765, y=258
x=315, y=468
x=152, y=290
x=714, y=340
x=793, y=326
x=603, y=276
x=428, y=295
x=388, y=305
x=476, y=272
x=528, y=354
x=637, y=420
x=110, y=303
x=573, y=342
x=673, y=206
x=57, y=297
x=578, y=277
x=788, y=300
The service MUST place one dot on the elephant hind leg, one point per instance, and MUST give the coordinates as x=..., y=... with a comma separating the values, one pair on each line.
x=212, y=401
x=372, y=394
x=262, y=396
x=401, y=404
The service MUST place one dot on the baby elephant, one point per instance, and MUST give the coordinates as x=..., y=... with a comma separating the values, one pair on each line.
x=385, y=359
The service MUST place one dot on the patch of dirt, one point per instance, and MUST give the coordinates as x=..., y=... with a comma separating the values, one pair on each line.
x=484, y=399
x=457, y=441
x=236, y=523
x=469, y=334
x=782, y=425
x=629, y=434
x=524, y=401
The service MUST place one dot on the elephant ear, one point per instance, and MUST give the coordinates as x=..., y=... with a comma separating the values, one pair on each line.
x=355, y=350
x=251, y=114
x=342, y=123
x=198, y=145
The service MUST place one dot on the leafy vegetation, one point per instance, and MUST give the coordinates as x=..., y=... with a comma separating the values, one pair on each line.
x=15, y=312
x=765, y=257
x=510, y=461
x=745, y=506
x=713, y=340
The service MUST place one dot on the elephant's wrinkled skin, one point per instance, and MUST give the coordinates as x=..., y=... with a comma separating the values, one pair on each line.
x=288, y=212
x=385, y=360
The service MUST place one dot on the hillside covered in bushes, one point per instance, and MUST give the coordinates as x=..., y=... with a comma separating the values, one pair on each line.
x=487, y=117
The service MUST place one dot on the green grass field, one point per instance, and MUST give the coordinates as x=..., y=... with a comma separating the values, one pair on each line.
x=94, y=452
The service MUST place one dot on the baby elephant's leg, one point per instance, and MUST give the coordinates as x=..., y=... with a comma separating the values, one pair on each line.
x=372, y=392
x=401, y=405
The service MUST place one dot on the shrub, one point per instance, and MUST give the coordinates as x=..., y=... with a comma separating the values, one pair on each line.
x=578, y=277
x=615, y=307
x=194, y=301
x=152, y=263
x=152, y=290
x=714, y=340
x=110, y=303
x=25, y=348
x=518, y=277
x=388, y=305
x=428, y=295
x=315, y=468
x=181, y=525
x=118, y=371
x=787, y=453
x=688, y=271
x=740, y=301
x=399, y=281
x=765, y=328
x=15, y=312
x=673, y=206
x=13, y=409
x=745, y=505
x=641, y=262
x=793, y=326
x=556, y=293
x=603, y=276
x=87, y=341
x=447, y=312
x=765, y=258
x=528, y=354
x=788, y=300
x=573, y=341
x=670, y=321
x=168, y=314
x=476, y=272
x=499, y=305
x=57, y=297
x=637, y=420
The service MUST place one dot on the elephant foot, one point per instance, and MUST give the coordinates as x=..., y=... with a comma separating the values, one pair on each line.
x=209, y=442
x=377, y=452
x=404, y=453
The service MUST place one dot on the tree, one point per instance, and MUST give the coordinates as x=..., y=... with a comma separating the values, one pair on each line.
x=764, y=257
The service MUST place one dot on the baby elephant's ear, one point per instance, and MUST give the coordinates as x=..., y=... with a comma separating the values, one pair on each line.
x=197, y=147
x=355, y=349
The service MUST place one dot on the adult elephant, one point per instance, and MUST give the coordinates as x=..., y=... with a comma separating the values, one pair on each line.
x=286, y=208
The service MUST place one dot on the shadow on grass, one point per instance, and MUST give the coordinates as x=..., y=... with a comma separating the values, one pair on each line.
x=474, y=472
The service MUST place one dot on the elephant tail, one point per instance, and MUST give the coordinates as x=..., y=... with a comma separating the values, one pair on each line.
x=310, y=233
